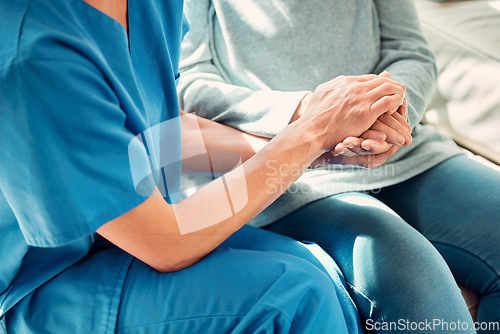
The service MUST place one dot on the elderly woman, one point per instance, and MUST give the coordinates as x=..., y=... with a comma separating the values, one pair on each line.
x=253, y=65
x=93, y=237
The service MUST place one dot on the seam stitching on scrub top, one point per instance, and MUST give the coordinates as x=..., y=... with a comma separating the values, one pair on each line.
x=179, y=319
x=21, y=27
x=20, y=61
x=275, y=310
x=201, y=318
x=91, y=224
x=9, y=289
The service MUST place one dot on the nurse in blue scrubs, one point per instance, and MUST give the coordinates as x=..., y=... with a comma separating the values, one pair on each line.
x=87, y=103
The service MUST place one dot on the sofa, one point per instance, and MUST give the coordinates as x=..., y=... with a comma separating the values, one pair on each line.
x=465, y=39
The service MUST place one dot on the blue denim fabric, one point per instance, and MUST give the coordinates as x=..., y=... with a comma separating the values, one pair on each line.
x=396, y=247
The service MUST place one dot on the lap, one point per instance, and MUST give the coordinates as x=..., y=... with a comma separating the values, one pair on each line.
x=352, y=225
x=456, y=206
x=390, y=265
x=253, y=282
x=391, y=240
x=274, y=286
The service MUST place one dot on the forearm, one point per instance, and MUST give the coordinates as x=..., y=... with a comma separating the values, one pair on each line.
x=405, y=54
x=211, y=147
x=260, y=112
x=221, y=137
x=205, y=219
x=172, y=237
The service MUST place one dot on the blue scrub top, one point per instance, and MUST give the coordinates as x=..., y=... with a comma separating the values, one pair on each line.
x=72, y=100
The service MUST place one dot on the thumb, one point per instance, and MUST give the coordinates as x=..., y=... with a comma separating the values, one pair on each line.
x=385, y=74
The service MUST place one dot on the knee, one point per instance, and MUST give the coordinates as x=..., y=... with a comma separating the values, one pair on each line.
x=306, y=278
x=397, y=258
x=377, y=249
x=405, y=277
x=400, y=257
x=303, y=287
x=311, y=298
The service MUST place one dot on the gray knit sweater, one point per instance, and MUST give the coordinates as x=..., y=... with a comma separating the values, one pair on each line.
x=248, y=63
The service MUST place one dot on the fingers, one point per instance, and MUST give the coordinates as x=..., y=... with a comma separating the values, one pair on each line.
x=368, y=161
x=366, y=77
x=354, y=145
x=401, y=120
x=376, y=135
x=403, y=109
x=400, y=109
x=395, y=137
x=371, y=142
x=398, y=124
x=379, y=79
x=370, y=85
x=386, y=131
x=361, y=100
x=372, y=81
x=386, y=104
x=374, y=142
x=387, y=98
x=343, y=149
x=380, y=90
x=376, y=160
x=382, y=87
x=385, y=74
x=375, y=146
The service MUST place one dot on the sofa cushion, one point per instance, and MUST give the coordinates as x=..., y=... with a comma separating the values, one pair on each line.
x=464, y=38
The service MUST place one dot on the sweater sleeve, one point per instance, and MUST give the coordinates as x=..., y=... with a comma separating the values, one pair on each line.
x=205, y=90
x=405, y=54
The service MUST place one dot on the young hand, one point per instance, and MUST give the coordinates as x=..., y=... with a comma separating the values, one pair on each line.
x=349, y=106
x=391, y=128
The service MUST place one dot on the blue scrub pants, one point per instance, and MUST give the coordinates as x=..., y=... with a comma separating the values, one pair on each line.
x=397, y=261
x=255, y=282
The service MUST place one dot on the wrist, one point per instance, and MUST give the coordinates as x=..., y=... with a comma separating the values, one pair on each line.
x=306, y=137
x=301, y=108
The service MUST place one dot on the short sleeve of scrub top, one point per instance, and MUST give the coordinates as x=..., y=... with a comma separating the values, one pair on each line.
x=64, y=153
x=73, y=101
x=69, y=118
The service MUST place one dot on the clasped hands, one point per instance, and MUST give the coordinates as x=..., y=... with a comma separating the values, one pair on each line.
x=367, y=113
